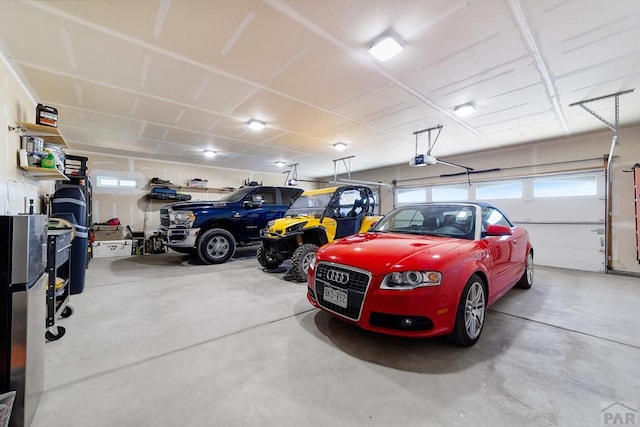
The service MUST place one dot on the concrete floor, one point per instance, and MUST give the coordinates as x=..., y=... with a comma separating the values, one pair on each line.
x=158, y=340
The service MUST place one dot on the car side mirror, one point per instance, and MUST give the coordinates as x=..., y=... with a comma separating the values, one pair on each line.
x=498, y=230
x=255, y=202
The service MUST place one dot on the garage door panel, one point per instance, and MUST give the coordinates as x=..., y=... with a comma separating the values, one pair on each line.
x=574, y=246
x=560, y=211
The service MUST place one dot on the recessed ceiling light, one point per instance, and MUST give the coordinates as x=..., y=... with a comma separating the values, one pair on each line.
x=209, y=153
x=464, y=109
x=339, y=146
x=385, y=48
x=280, y=163
x=256, y=124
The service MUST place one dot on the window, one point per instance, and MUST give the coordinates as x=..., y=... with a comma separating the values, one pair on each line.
x=411, y=195
x=268, y=195
x=492, y=216
x=407, y=218
x=289, y=195
x=499, y=190
x=115, y=182
x=450, y=193
x=566, y=186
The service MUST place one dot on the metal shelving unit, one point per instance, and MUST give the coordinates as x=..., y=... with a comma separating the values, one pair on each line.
x=58, y=265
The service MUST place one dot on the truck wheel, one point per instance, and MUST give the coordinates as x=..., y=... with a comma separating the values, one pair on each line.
x=216, y=246
x=266, y=259
x=300, y=260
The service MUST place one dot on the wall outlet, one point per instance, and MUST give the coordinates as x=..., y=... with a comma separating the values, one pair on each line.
x=29, y=204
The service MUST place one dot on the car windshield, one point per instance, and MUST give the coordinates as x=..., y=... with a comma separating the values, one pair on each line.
x=236, y=196
x=431, y=220
x=310, y=204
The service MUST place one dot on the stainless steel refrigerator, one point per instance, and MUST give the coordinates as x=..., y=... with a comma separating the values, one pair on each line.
x=23, y=257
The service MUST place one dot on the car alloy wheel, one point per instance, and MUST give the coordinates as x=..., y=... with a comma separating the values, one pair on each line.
x=474, y=310
x=526, y=280
x=470, y=313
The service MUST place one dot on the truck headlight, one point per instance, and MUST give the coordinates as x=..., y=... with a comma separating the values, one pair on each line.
x=182, y=218
x=401, y=280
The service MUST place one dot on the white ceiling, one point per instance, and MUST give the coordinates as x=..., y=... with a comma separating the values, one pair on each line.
x=168, y=79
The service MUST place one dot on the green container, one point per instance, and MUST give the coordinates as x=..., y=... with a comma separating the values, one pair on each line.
x=48, y=161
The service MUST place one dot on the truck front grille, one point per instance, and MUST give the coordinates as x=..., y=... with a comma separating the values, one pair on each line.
x=164, y=217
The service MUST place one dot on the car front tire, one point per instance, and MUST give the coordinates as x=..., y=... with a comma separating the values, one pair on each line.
x=216, y=246
x=471, y=313
x=526, y=280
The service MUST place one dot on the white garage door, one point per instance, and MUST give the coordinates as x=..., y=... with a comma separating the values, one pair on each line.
x=564, y=213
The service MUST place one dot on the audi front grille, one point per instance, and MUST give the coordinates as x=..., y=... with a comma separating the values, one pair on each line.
x=352, y=280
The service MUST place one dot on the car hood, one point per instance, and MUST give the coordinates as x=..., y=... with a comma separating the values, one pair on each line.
x=380, y=252
x=186, y=206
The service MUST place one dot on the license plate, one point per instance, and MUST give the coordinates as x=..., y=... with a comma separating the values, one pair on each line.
x=335, y=296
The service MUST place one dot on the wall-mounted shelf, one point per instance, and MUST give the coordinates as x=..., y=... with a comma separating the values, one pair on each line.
x=50, y=173
x=49, y=134
x=189, y=188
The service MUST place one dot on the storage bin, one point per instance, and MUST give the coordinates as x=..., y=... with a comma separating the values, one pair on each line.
x=198, y=183
x=108, y=232
x=111, y=248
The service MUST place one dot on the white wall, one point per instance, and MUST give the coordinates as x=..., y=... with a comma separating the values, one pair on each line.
x=568, y=153
x=16, y=105
x=131, y=206
x=560, y=154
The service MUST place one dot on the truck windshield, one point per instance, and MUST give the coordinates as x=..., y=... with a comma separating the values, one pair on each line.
x=237, y=195
x=310, y=204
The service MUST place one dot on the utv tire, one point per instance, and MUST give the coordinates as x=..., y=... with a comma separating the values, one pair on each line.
x=471, y=313
x=526, y=280
x=215, y=246
x=300, y=260
x=266, y=260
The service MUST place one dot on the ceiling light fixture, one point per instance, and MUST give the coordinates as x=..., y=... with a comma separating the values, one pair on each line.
x=256, y=124
x=209, y=153
x=280, y=163
x=385, y=48
x=464, y=109
x=339, y=146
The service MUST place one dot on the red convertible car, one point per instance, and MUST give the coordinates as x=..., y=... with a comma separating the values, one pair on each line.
x=424, y=270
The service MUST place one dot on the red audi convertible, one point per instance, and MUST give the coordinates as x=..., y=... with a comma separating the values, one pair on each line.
x=423, y=270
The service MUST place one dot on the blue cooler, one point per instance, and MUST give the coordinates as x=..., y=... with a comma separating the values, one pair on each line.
x=69, y=203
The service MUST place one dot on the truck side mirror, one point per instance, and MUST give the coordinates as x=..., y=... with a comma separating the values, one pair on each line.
x=255, y=202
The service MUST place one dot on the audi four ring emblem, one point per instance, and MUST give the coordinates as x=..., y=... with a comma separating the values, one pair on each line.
x=338, y=276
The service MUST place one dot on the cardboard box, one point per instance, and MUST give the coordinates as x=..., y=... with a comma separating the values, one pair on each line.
x=111, y=248
x=108, y=232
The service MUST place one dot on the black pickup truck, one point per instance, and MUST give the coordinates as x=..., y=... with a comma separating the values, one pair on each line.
x=213, y=229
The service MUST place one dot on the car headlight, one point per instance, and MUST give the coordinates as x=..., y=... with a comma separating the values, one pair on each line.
x=295, y=227
x=400, y=280
x=183, y=218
